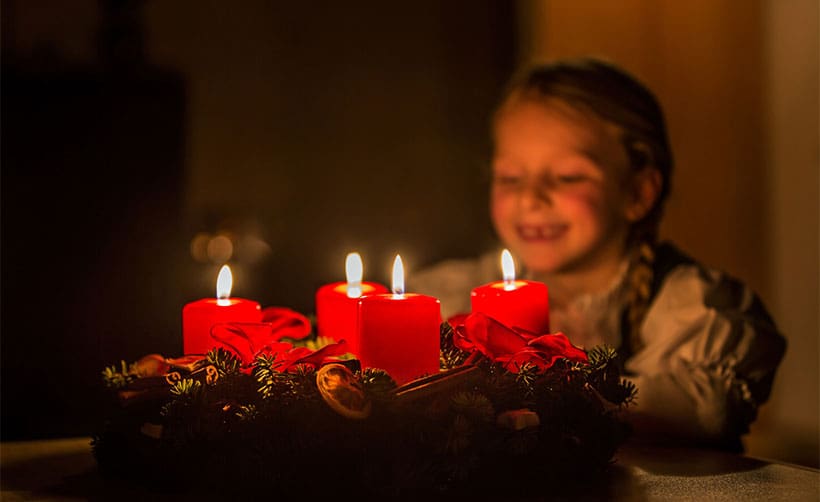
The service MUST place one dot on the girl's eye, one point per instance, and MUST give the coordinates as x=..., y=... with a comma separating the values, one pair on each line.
x=570, y=178
x=506, y=181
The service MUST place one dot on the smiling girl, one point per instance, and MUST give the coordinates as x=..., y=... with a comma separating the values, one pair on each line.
x=581, y=168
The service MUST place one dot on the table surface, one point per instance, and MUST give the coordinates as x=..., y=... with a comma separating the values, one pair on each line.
x=65, y=470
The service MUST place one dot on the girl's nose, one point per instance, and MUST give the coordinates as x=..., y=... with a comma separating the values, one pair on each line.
x=535, y=195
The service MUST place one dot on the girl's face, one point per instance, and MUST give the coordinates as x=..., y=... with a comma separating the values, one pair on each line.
x=559, y=192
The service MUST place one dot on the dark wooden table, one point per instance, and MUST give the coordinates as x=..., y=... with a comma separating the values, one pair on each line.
x=65, y=470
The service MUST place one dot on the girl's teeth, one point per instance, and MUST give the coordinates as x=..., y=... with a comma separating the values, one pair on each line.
x=542, y=232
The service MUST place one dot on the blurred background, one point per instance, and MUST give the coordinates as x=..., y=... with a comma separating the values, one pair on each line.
x=144, y=143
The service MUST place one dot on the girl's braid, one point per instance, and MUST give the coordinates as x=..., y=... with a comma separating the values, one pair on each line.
x=639, y=291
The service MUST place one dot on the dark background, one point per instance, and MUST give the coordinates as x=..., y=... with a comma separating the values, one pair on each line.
x=297, y=133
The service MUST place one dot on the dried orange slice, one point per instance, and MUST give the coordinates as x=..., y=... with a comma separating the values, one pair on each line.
x=152, y=365
x=342, y=392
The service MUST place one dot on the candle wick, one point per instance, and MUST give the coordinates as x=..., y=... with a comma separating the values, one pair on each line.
x=509, y=284
x=354, y=289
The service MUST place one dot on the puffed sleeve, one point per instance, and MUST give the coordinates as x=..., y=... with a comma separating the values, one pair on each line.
x=709, y=358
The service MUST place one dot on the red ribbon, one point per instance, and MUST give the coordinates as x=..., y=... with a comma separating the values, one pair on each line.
x=512, y=347
x=249, y=339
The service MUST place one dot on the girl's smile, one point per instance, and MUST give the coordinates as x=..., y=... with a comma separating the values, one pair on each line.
x=541, y=233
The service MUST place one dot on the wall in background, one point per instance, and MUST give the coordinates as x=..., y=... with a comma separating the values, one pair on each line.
x=136, y=133
x=318, y=132
x=792, y=52
x=739, y=87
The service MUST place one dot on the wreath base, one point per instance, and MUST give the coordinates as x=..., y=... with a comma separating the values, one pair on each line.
x=222, y=429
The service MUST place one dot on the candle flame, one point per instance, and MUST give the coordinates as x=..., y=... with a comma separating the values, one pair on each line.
x=398, y=276
x=353, y=272
x=508, y=270
x=224, y=282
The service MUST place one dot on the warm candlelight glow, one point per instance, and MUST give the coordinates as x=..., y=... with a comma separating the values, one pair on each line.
x=337, y=303
x=224, y=282
x=399, y=332
x=354, y=272
x=514, y=302
x=398, y=276
x=508, y=270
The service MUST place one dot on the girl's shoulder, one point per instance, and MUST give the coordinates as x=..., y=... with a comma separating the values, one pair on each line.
x=668, y=257
x=680, y=281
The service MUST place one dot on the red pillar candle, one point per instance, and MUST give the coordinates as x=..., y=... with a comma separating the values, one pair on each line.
x=514, y=302
x=337, y=303
x=399, y=332
x=200, y=316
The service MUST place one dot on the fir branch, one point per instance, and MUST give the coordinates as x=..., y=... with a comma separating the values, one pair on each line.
x=624, y=394
x=118, y=378
x=377, y=384
x=473, y=405
x=526, y=379
x=302, y=383
x=604, y=375
x=450, y=356
x=500, y=386
x=187, y=387
x=247, y=413
x=269, y=379
x=226, y=362
x=601, y=356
